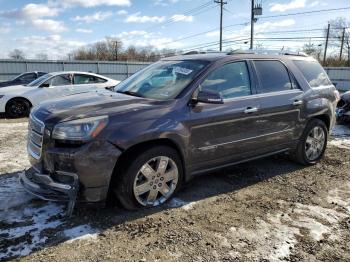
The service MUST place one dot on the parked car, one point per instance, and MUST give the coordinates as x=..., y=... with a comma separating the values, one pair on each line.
x=16, y=101
x=142, y=143
x=23, y=79
x=343, y=108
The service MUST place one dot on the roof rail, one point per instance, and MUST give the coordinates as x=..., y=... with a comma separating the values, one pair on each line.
x=203, y=52
x=267, y=52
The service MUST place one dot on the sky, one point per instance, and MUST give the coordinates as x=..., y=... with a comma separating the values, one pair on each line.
x=56, y=27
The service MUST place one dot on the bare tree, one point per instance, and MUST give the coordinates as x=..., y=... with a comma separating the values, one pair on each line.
x=41, y=56
x=336, y=34
x=17, y=54
x=313, y=50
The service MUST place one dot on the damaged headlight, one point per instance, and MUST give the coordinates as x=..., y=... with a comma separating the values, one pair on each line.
x=81, y=129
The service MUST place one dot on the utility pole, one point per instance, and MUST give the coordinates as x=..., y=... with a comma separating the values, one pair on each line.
x=342, y=44
x=252, y=21
x=256, y=10
x=326, y=46
x=222, y=3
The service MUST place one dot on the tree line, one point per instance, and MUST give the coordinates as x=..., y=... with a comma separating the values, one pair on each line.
x=112, y=49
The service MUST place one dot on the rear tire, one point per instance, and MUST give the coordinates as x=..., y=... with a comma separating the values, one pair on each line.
x=312, y=143
x=137, y=186
x=17, y=107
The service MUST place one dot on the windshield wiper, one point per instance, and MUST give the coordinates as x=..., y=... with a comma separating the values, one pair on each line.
x=131, y=93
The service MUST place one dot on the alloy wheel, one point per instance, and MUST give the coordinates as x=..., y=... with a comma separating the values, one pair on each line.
x=315, y=143
x=156, y=181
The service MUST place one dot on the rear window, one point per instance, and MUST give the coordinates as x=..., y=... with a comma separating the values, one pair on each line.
x=313, y=73
x=273, y=76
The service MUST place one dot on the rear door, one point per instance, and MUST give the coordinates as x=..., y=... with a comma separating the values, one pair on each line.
x=84, y=83
x=222, y=133
x=281, y=101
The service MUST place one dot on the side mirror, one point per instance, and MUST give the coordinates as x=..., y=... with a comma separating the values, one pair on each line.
x=45, y=85
x=209, y=97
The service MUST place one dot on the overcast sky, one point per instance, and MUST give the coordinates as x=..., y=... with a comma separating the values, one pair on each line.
x=56, y=27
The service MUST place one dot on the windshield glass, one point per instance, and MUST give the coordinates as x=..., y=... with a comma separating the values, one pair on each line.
x=162, y=80
x=40, y=80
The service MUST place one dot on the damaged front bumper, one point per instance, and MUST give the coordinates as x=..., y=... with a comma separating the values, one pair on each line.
x=44, y=187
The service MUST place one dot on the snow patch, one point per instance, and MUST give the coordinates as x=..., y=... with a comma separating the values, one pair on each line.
x=341, y=197
x=82, y=232
x=177, y=202
x=28, y=235
x=341, y=137
x=12, y=194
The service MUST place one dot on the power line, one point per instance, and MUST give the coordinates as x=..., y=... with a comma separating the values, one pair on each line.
x=307, y=12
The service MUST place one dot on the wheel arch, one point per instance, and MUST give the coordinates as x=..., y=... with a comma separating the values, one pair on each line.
x=19, y=97
x=135, y=149
x=325, y=118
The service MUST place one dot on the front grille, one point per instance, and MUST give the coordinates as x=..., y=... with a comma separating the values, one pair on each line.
x=35, y=137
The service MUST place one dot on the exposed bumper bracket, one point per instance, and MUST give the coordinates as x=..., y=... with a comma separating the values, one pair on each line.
x=44, y=187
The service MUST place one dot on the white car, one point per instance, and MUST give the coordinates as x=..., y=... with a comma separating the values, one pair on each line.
x=16, y=101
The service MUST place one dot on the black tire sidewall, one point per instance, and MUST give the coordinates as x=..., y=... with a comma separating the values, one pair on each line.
x=125, y=182
x=301, y=148
x=24, y=113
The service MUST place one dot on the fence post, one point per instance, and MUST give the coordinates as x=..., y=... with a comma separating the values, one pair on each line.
x=98, y=67
x=62, y=65
x=127, y=69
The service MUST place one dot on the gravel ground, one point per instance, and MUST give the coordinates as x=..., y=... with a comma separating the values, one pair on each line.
x=266, y=210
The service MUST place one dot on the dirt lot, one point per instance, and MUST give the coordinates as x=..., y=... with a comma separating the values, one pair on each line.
x=266, y=210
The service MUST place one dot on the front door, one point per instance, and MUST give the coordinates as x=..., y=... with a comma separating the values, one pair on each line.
x=222, y=133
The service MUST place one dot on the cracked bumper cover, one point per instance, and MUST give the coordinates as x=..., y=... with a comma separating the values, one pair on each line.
x=82, y=173
x=44, y=187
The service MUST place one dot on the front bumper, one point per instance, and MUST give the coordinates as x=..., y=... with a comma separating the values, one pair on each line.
x=44, y=187
x=80, y=174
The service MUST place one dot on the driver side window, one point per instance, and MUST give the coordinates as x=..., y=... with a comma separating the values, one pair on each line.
x=230, y=80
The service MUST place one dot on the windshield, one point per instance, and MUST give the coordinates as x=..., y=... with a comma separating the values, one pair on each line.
x=162, y=80
x=40, y=80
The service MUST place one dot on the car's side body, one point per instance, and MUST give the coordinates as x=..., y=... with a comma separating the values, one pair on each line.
x=23, y=79
x=206, y=136
x=38, y=93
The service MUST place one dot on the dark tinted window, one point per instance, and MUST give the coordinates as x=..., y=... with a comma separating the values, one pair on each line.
x=230, y=80
x=314, y=73
x=41, y=74
x=273, y=76
x=87, y=79
x=27, y=77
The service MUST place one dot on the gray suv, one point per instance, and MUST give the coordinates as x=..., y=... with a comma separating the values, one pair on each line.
x=175, y=119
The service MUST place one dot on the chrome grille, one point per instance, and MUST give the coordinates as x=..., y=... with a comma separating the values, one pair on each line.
x=35, y=137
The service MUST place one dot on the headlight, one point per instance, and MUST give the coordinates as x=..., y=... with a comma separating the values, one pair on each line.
x=81, y=129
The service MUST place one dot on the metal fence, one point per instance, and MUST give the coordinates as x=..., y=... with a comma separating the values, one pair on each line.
x=116, y=70
x=340, y=76
x=120, y=70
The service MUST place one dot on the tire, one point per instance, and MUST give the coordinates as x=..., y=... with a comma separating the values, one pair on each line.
x=309, y=151
x=134, y=188
x=17, y=107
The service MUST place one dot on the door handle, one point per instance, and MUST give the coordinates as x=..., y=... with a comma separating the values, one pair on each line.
x=297, y=102
x=250, y=110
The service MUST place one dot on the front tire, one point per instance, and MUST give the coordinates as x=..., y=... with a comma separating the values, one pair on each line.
x=17, y=107
x=312, y=144
x=150, y=179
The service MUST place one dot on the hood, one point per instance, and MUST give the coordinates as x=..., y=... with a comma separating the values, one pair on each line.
x=17, y=90
x=95, y=103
